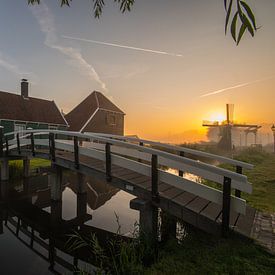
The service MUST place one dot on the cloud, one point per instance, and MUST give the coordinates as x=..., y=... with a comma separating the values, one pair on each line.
x=122, y=46
x=46, y=21
x=236, y=86
x=12, y=67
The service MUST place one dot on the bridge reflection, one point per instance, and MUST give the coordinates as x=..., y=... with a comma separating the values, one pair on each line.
x=29, y=213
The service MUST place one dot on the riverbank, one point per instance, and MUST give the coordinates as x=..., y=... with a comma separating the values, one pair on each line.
x=205, y=254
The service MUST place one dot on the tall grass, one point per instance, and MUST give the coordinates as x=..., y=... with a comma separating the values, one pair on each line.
x=119, y=255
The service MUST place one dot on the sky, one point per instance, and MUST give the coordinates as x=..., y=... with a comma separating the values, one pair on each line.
x=166, y=64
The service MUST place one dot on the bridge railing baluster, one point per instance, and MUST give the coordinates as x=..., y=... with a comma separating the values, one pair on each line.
x=108, y=160
x=52, y=146
x=18, y=143
x=1, y=141
x=154, y=178
x=32, y=145
x=7, y=146
x=76, y=153
x=181, y=172
x=239, y=170
x=140, y=144
x=226, y=206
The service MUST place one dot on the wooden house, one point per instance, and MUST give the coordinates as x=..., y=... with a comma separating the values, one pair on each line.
x=96, y=113
x=19, y=112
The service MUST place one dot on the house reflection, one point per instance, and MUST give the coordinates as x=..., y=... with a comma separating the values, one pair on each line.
x=27, y=211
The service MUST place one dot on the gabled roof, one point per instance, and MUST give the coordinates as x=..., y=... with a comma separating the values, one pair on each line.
x=30, y=109
x=84, y=111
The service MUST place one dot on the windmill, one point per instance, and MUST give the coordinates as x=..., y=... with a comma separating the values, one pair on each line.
x=225, y=128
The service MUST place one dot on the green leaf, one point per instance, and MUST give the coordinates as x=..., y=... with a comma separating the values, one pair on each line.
x=241, y=32
x=249, y=13
x=228, y=15
x=225, y=4
x=234, y=26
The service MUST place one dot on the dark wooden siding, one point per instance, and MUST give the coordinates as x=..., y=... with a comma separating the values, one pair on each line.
x=106, y=122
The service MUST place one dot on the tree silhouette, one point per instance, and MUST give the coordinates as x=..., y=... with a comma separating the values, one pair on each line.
x=239, y=15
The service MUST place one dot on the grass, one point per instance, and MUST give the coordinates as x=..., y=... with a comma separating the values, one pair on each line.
x=262, y=178
x=200, y=253
x=16, y=167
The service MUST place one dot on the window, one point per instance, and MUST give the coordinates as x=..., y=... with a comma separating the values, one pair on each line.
x=111, y=119
x=20, y=128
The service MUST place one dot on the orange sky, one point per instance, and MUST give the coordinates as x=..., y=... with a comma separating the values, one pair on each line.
x=161, y=94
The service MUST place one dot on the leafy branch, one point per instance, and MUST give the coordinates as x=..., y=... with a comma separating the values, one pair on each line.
x=242, y=19
x=238, y=12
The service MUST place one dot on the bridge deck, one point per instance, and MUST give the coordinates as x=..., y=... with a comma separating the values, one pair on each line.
x=192, y=209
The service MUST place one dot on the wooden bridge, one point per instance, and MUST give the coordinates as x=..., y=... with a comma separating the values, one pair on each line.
x=142, y=168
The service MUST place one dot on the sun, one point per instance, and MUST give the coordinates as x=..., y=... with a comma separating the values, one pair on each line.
x=217, y=117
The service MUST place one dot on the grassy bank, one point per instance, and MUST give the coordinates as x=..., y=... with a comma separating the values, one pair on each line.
x=262, y=178
x=205, y=254
x=201, y=253
x=16, y=167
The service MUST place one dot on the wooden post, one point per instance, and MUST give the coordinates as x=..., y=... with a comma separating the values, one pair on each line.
x=18, y=144
x=56, y=184
x=181, y=172
x=76, y=153
x=32, y=145
x=7, y=146
x=26, y=168
x=108, y=162
x=226, y=206
x=4, y=170
x=148, y=218
x=52, y=146
x=140, y=144
x=168, y=226
x=1, y=141
x=239, y=170
x=154, y=178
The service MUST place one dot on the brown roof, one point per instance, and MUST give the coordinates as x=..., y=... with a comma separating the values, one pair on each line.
x=30, y=109
x=83, y=111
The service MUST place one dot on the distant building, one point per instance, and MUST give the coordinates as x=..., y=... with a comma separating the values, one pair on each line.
x=19, y=112
x=97, y=114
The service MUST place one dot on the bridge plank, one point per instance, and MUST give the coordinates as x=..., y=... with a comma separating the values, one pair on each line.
x=184, y=198
x=212, y=211
x=245, y=222
x=197, y=205
x=171, y=193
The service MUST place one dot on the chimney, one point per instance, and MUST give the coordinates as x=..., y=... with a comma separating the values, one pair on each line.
x=24, y=88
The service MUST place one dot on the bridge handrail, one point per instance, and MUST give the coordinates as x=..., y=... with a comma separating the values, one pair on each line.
x=188, y=161
x=181, y=149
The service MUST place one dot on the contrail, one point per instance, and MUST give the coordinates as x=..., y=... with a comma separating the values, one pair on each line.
x=122, y=46
x=237, y=86
x=46, y=21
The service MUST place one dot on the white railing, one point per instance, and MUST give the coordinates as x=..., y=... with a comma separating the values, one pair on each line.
x=130, y=155
x=179, y=149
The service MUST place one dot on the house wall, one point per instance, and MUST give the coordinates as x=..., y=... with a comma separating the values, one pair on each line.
x=9, y=126
x=102, y=122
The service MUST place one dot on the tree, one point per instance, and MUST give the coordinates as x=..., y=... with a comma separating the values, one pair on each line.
x=239, y=15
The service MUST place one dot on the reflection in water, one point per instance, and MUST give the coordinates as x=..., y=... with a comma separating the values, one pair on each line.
x=34, y=229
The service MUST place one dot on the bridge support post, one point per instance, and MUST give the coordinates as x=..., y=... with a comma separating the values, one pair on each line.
x=81, y=207
x=148, y=217
x=56, y=184
x=168, y=226
x=81, y=184
x=4, y=170
x=1, y=221
x=26, y=168
x=56, y=212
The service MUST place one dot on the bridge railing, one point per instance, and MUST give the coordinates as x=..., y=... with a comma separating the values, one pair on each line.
x=125, y=154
